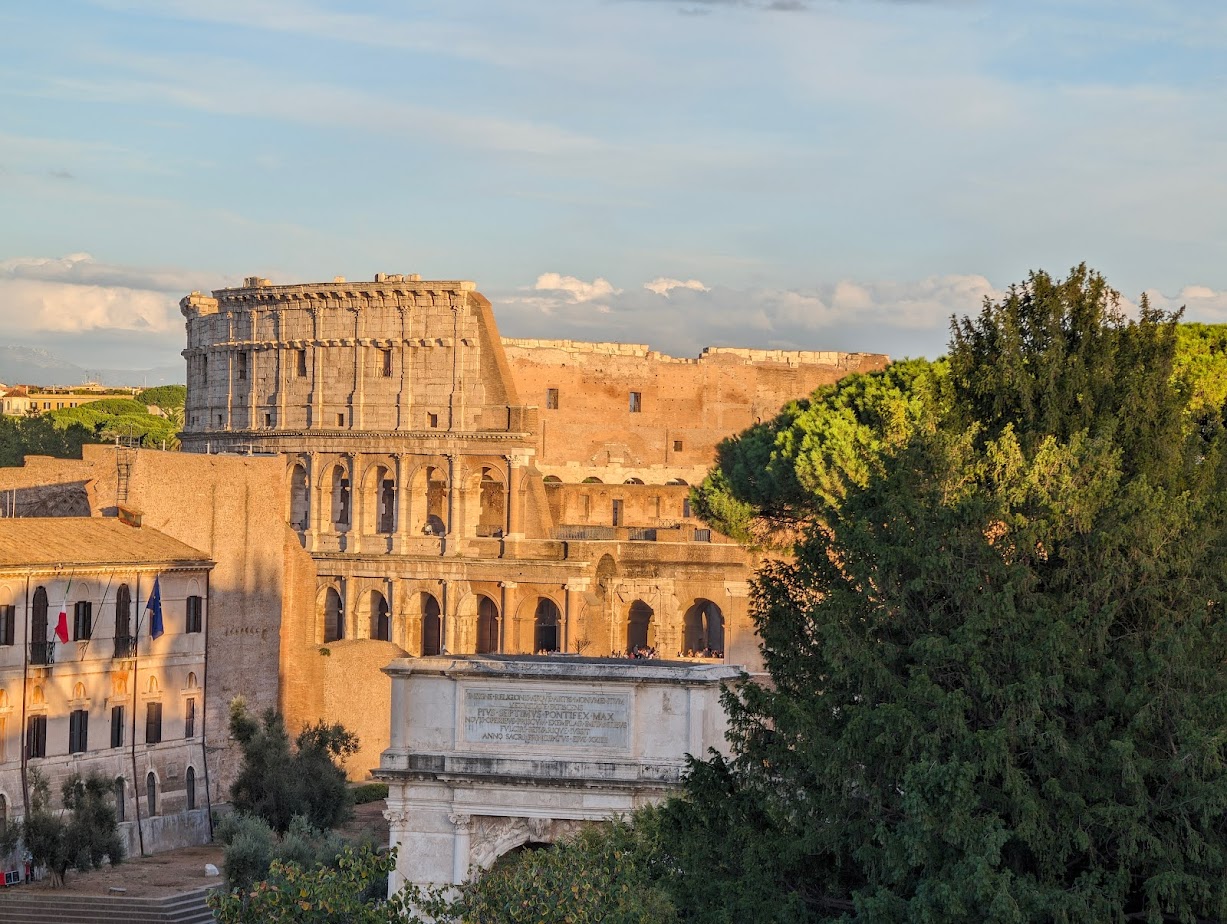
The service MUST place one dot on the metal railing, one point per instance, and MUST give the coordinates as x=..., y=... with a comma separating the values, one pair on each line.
x=642, y=534
x=42, y=652
x=702, y=535
x=125, y=646
x=587, y=533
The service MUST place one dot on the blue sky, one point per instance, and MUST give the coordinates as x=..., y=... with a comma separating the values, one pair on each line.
x=825, y=174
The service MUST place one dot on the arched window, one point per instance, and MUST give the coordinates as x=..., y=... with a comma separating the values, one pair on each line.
x=703, y=628
x=191, y=788
x=640, y=633
x=487, y=625
x=4, y=817
x=491, y=517
x=592, y=479
x=431, y=626
x=41, y=651
x=300, y=499
x=334, y=616
x=152, y=687
x=552, y=479
x=633, y=481
x=191, y=681
x=121, y=800
x=381, y=622
x=151, y=793
x=340, y=499
x=545, y=637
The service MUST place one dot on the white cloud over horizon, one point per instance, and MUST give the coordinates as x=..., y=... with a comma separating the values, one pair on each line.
x=663, y=285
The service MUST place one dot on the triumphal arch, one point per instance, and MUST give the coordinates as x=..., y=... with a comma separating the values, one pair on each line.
x=492, y=753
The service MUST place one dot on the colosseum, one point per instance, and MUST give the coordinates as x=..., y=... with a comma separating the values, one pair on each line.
x=462, y=492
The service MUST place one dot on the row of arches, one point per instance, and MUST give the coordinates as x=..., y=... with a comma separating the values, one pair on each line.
x=593, y=479
x=702, y=624
x=378, y=498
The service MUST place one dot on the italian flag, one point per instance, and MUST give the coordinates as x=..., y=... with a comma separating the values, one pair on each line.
x=61, y=625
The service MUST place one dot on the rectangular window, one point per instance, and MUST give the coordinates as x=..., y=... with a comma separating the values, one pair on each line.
x=117, y=726
x=189, y=718
x=195, y=614
x=78, y=731
x=551, y=399
x=340, y=420
x=617, y=513
x=82, y=620
x=36, y=736
x=385, y=364
x=153, y=723
x=241, y=362
x=432, y=420
x=4, y=750
x=268, y=420
x=7, y=618
x=686, y=507
x=636, y=404
x=585, y=506
x=300, y=366
x=677, y=445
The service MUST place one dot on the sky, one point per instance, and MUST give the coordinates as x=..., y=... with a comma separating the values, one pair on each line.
x=800, y=174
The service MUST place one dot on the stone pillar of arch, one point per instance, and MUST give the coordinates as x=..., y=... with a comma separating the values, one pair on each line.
x=740, y=643
x=253, y=370
x=506, y=592
x=450, y=544
x=313, y=506
x=316, y=408
x=400, y=534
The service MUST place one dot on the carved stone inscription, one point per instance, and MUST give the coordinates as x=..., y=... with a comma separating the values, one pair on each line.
x=541, y=717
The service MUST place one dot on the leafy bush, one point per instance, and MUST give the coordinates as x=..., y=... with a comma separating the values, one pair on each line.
x=164, y=396
x=368, y=792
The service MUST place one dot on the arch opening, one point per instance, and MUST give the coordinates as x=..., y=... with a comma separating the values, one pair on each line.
x=381, y=620
x=703, y=630
x=300, y=499
x=334, y=616
x=545, y=623
x=640, y=627
x=432, y=626
x=487, y=625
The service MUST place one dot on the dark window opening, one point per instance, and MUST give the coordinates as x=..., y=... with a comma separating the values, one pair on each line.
x=636, y=402
x=551, y=399
x=432, y=626
x=300, y=367
x=189, y=717
x=617, y=513
x=268, y=420
x=8, y=625
x=545, y=637
x=640, y=629
x=117, y=726
x=677, y=445
x=191, y=788
x=78, y=731
x=334, y=616
x=82, y=620
x=42, y=651
x=195, y=613
x=125, y=642
x=387, y=505
x=487, y=626
x=36, y=736
x=242, y=365
x=153, y=723
x=385, y=364
x=340, y=420
x=151, y=793
x=120, y=800
x=432, y=420
x=381, y=621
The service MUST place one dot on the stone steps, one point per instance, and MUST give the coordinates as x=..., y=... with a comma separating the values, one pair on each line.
x=27, y=906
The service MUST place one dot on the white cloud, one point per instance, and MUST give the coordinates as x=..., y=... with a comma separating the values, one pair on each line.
x=577, y=290
x=75, y=294
x=1200, y=303
x=663, y=285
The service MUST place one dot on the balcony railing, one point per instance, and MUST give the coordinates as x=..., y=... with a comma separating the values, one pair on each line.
x=586, y=533
x=125, y=646
x=702, y=535
x=642, y=534
x=42, y=652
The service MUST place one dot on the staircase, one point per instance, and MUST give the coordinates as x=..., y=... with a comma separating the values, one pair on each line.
x=125, y=455
x=41, y=906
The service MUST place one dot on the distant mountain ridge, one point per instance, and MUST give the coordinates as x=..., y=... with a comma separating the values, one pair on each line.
x=22, y=365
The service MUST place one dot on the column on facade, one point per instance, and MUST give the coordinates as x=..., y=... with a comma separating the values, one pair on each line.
x=460, y=846
x=316, y=409
x=402, y=401
x=313, y=506
x=253, y=367
x=503, y=615
x=449, y=543
x=400, y=532
x=358, y=395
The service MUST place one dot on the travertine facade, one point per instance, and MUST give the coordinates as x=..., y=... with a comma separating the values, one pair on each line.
x=460, y=493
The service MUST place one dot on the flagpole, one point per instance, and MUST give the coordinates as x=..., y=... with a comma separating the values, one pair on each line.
x=136, y=789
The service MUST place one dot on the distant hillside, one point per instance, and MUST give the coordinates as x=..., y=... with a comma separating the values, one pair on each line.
x=20, y=365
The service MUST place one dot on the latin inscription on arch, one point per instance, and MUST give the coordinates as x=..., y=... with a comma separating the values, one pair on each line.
x=537, y=718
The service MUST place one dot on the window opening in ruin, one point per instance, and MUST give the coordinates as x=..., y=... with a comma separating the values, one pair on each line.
x=640, y=627
x=125, y=642
x=191, y=788
x=36, y=736
x=432, y=420
x=121, y=800
x=677, y=445
x=381, y=621
x=636, y=402
x=117, y=726
x=8, y=614
x=268, y=420
x=686, y=507
x=340, y=499
x=189, y=717
x=545, y=621
x=153, y=723
x=617, y=513
x=592, y=479
x=300, y=499
x=241, y=357
x=4, y=817
x=491, y=516
x=656, y=506
x=487, y=625
x=703, y=630
x=385, y=364
x=219, y=420
x=431, y=626
x=195, y=614
x=551, y=399
x=436, y=497
x=387, y=505
x=633, y=481
x=82, y=620
x=78, y=731
x=300, y=365
x=341, y=419
x=151, y=793
x=334, y=616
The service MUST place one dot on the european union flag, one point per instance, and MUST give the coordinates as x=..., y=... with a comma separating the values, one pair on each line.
x=154, y=609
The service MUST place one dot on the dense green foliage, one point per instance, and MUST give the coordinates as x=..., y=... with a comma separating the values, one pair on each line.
x=40, y=436
x=251, y=847
x=83, y=838
x=996, y=658
x=280, y=780
x=369, y=792
x=122, y=418
x=605, y=874
x=164, y=396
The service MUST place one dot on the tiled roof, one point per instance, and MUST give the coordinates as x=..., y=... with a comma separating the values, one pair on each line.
x=87, y=541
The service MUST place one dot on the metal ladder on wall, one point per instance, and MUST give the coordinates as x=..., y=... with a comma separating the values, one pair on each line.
x=125, y=457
